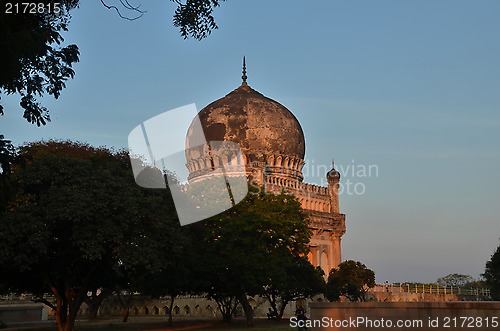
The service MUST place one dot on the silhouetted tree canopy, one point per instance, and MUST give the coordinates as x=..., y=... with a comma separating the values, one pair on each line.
x=194, y=17
x=77, y=221
x=492, y=274
x=350, y=279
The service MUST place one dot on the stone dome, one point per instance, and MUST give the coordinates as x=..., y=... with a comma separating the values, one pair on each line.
x=333, y=175
x=262, y=127
x=258, y=124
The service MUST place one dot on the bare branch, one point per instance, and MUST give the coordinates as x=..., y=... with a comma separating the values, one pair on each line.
x=127, y=6
x=39, y=299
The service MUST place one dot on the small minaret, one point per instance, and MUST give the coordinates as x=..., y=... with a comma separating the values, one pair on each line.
x=333, y=178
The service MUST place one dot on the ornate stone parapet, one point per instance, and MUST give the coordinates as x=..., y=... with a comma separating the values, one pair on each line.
x=284, y=166
x=334, y=223
x=311, y=197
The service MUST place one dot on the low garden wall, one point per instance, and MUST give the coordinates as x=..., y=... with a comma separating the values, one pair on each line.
x=20, y=313
x=418, y=316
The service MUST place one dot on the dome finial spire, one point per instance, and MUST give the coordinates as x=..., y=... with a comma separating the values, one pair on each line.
x=244, y=77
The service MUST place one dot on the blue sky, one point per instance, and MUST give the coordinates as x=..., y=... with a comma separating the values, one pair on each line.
x=412, y=87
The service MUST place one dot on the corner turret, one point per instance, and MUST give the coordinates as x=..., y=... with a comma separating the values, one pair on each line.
x=333, y=178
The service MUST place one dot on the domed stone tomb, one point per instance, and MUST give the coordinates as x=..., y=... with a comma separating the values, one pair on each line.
x=272, y=154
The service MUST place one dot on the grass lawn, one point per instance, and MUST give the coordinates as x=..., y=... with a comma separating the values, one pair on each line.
x=156, y=324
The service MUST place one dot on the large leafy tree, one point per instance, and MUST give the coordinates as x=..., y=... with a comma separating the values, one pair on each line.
x=241, y=247
x=77, y=218
x=492, y=274
x=351, y=279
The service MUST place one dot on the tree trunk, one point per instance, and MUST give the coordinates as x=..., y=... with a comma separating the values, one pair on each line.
x=93, y=309
x=271, y=297
x=126, y=313
x=66, y=310
x=227, y=306
x=247, y=308
x=125, y=305
x=61, y=313
x=68, y=300
x=170, y=308
x=284, y=303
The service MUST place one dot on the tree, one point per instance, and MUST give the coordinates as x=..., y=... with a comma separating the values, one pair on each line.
x=77, y=216
x=350, y=279
x=456, y=280
x=492, y=274
x=291, y=278
x=238, y=249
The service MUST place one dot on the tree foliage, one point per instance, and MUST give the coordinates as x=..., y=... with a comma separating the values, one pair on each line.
x=33, y=61
x=76, y=221
x=173, y=277
x=492, y=274
x=291, y=278
x=240, y=249
x=194, y=17
x=456, y=280
x=7, y=153
x=350, y=279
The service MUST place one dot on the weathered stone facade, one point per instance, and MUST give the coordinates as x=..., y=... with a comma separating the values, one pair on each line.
x=272, y=155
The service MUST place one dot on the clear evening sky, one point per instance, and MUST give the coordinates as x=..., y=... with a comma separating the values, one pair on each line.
x=411, y=87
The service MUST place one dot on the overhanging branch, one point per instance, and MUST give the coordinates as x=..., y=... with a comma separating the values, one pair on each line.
x=127, y=6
